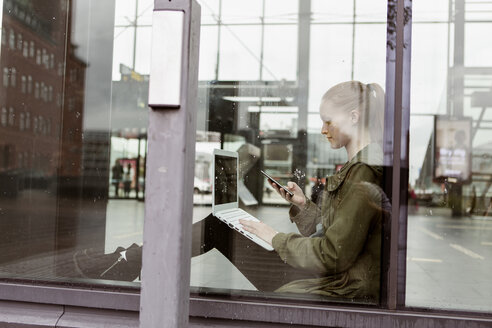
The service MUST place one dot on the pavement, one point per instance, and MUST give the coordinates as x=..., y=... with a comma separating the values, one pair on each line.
x=449, y=260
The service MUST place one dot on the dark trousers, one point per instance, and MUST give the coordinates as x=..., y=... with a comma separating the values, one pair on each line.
x=264, y=269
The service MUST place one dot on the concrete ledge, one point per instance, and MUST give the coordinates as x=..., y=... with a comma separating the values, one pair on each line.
x=19, y=314
x=96, y=318
x=23, y=315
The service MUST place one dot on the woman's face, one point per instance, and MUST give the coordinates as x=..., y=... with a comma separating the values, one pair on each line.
x=338, y=125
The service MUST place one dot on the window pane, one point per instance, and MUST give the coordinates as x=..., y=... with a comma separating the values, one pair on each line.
x=73, y=141
x=329, y=64
x=437, y=10
x=210, y=11
x=449, y=203
x=240, y=12
x=240, y=52
x=272, y=123
x=280, y=53
x=370, y=57
x=370, y=11
x=329, y=11
x=281, y=11
x=124, y=12
x=477, y=52
x=429, y=81
x=208, y=53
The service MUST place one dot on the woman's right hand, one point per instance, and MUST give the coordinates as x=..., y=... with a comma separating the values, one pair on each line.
x=298, y=199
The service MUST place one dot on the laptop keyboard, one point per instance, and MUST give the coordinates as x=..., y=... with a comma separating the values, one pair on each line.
x=232, y=217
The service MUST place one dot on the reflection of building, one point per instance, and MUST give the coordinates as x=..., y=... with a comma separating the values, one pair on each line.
x=129, y=101
x=41, y=118
x=42, y=102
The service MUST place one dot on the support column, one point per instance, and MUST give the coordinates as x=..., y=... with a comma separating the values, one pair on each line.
x=170, y=164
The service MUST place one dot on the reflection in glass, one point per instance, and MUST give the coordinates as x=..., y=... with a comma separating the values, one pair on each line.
x=260, y=107
x=449, y=192
x=65, y=121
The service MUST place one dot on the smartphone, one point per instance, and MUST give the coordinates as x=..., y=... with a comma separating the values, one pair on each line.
x=277, y=183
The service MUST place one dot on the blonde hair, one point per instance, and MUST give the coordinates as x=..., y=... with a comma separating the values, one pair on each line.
x=368, y=99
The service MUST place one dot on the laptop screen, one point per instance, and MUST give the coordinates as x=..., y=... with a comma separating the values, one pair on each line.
x=225, y=180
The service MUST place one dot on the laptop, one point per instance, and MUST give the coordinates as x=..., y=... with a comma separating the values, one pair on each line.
x=225, y=194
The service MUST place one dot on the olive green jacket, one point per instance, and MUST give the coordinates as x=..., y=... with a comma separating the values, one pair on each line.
x=340, y=239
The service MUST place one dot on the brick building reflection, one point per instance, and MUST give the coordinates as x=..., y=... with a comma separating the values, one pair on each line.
x=42, y=102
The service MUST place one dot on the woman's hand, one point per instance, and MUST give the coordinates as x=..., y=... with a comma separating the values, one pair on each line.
x=298, y=199
x=260, y=229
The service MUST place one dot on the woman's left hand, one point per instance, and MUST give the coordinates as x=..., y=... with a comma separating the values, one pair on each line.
x=260, y=229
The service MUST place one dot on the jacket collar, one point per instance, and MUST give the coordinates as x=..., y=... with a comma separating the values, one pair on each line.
x=371, y=155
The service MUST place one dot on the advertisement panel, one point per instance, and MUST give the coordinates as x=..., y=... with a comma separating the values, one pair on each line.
x=452, y=149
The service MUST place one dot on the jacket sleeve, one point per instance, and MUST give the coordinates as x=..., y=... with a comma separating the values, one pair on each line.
x=307, y=218
x=344, y=240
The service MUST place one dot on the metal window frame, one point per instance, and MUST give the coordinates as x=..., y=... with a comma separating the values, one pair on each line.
x=392, y=311
x=59, y=295
x=170, y=308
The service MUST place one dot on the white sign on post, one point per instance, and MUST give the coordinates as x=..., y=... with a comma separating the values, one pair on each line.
x=166, y=59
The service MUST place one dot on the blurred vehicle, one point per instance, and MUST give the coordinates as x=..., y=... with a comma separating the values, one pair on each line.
x=202, y=186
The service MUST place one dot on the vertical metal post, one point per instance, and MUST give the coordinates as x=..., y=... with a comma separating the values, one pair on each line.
x=458, y=70
x=354, y=17
x=458, y=92
x=303, y=51
x=170, y=165
x=396, y=143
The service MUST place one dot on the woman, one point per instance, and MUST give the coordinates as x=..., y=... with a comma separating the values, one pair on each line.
x=337, y=252
x=340, y=241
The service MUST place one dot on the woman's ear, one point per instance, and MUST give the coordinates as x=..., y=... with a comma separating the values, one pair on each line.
x=354, y=116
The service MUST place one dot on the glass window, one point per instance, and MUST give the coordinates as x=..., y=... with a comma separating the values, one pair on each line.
x=45, y=58
x=4, y=116
x=75, y=176
x=12, y=39
x=19, y=41
x=11, y=116
x=4, y=37
x=234, y=12
x=13, y=77
x=28, y=122
x=6, y=77
x=21, y=123
x=29, y=84
x=328, y=64
x=23, y=84
x=258, y=117
x=281, y=11
x=38, y=56
x=210, y=12
x=240, y=52
x=36, y=90
x=42, y=91
x=25, y=50
x=208, y=52
x=449, y=194
x=369, y=11
x=279, y=53
x=330, y=11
